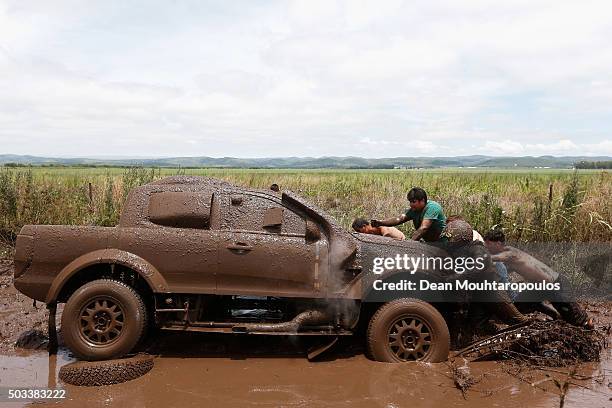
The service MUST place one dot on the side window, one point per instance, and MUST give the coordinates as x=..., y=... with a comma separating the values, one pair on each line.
x=180, y=209
x=253, y=213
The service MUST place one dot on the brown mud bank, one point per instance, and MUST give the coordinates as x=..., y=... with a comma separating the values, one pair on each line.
x=194, y=369
x=18, y=316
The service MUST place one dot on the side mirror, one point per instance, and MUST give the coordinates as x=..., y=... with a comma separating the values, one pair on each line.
x=313, y=233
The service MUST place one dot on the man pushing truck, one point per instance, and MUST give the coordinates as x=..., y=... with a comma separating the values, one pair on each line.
x=534, y=270
x=427, y=216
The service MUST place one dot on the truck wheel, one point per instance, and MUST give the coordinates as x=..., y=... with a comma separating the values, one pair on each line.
x=408, y=330
x=103, y=319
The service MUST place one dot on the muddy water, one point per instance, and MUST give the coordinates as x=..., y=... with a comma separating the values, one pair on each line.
x=194, y=370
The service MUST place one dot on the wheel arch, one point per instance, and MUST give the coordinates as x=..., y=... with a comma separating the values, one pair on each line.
x=93, y=265
x=361, y=288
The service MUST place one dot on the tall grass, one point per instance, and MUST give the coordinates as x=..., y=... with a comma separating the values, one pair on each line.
x=531, y=205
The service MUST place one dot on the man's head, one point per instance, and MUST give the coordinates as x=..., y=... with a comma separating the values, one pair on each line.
x=417, y=197
x=495, y=240
x=458, y=231
x=362, y=225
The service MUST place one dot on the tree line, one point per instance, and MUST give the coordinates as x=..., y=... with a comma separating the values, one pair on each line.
x=593, y=164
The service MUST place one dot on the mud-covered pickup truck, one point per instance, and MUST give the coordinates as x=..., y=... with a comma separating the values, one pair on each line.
x=200, y=254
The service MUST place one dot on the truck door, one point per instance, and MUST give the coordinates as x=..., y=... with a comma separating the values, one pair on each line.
x=263, y=249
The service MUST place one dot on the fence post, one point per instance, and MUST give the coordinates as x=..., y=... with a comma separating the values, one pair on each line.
x=550, y=197
x=90, y=199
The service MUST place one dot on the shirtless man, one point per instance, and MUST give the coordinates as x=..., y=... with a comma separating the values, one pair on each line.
x=362, y=225
x=533, y=270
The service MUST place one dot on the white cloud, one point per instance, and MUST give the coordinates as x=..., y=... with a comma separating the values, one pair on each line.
x=293, y=78
x=563, y=147
x=504, y=148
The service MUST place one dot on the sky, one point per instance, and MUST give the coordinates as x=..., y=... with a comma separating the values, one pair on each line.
x=305, y=78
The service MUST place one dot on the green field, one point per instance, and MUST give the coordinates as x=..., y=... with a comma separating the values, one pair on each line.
x=518, y=199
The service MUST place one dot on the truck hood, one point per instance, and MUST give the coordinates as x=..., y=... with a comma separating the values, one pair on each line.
x=374, y=246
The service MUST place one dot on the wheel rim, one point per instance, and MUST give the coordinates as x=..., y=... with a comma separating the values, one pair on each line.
x=409, y=338
x=101, y=321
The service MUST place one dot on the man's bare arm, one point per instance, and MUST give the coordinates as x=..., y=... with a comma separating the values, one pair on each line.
x=418, y=234
x=504, y=256
x=390, y=222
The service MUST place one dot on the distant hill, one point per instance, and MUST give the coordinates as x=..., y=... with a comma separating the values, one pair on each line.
x=311, y=162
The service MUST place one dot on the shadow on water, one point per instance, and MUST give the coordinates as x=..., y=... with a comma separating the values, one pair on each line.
x=243, y=346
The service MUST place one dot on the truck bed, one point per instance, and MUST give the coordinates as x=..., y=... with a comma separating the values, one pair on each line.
x=42, y=251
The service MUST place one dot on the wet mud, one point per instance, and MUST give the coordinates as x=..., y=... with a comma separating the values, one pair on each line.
x=196, y=369
x=18, y=316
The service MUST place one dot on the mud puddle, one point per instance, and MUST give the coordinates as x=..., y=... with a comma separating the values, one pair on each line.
x=194, y=370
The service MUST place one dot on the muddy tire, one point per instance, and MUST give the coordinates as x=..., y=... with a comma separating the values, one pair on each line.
x=91, y=373
x=408, y=330
x=103, y=319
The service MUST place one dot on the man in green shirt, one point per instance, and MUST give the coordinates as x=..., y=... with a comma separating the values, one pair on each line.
x=427, y=217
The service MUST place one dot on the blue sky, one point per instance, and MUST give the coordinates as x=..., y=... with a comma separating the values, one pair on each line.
x=305, y=78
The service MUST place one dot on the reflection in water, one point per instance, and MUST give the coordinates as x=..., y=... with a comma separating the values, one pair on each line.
x=51, y=382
